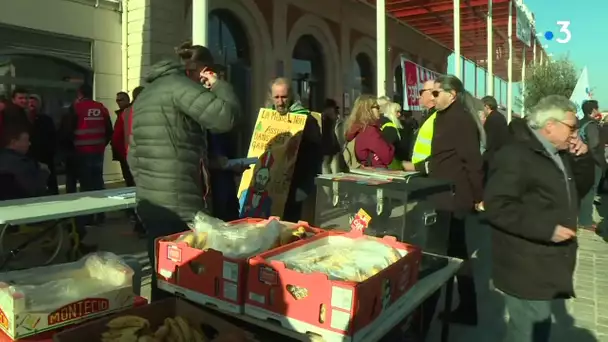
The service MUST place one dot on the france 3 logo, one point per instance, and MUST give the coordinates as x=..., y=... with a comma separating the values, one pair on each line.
x=564, y=33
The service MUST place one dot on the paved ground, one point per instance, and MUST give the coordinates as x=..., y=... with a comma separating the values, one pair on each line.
x=584, y=319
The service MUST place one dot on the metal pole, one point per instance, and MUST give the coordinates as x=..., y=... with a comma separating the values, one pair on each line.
x=523, y=82
x=490, y=57
x=381, y=46
x=457, y=71
x=510, y=64
x=534, y=52
x=200, y=13
x=475, y=90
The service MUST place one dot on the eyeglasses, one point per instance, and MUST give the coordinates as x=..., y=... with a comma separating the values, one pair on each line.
x=423, y=90
x=376, y=106
x=436, y=93
x=573, y=128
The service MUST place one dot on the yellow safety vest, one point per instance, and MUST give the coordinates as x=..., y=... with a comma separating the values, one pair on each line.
x=395, y=163
x=422, y=146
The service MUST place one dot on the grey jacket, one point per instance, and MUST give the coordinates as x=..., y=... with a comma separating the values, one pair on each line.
x=168, y=147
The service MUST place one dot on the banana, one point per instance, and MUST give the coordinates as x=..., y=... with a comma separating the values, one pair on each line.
x=175, y=331
x=185, y=328
x=189, y=239
x=162, y=332
x=201, y=240
x=128, y=322
x=198, y=336
x=116, y=333
x=148, y=338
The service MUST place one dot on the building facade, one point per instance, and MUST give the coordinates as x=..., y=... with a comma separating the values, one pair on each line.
x=326, y=47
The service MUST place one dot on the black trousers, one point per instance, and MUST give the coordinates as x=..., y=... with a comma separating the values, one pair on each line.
x=158, y=222
x=457, y=248
x=126, y=173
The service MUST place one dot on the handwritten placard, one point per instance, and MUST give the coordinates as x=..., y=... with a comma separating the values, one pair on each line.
x=275, y=142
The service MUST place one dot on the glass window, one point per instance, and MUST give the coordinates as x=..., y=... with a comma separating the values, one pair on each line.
x=308, y=72
x=230, y=47
x=53, y=79
x=363, y=75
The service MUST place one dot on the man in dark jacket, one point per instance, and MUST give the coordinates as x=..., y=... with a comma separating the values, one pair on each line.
x=168, y=148
x=497, y=130
x=590, y=134
x=29, y=176
x=531, y=202
x=43, y=138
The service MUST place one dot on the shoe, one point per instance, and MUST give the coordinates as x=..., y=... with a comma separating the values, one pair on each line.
x=460, y=316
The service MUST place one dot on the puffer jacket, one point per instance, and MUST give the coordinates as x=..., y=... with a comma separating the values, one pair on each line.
x=167, y=151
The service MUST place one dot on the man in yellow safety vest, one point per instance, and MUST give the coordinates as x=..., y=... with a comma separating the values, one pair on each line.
x=422, y=146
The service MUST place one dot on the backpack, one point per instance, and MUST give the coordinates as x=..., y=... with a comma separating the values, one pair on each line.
x=348, y=153
x=582, y=131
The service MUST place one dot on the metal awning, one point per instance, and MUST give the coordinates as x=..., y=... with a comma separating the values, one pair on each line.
x=435, y=19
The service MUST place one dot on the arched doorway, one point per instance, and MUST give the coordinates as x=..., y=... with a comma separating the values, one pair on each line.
x=231, y=50
x=308, y=72
x=363, y=74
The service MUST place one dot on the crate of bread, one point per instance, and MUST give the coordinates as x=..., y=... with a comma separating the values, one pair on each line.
x=169, y=320
x=336, y=285
x=46, y=298
x=208, y=264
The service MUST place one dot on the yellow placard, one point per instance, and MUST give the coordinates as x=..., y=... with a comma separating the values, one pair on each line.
x=275, y=142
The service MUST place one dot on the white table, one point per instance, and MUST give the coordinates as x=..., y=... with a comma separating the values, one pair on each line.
x=57, y=207
x=60, y=207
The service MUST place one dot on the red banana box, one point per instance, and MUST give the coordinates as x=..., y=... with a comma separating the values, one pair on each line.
x=313, y=303
x=207, y=277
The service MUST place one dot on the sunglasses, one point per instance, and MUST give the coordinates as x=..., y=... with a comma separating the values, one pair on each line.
x=422, y=91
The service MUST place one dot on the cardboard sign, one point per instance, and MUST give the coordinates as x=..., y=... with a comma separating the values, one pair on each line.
x=360, y=221
x=275, y=142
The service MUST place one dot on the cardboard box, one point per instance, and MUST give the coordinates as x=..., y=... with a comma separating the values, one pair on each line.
x=207, y=277
x=20, y=318
x=336, y=310
x=47, y=336
x=156, y=313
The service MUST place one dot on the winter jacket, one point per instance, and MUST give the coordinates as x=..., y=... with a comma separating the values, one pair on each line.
x=120, y=143
x=526, y=197
x=168, y=147
x=456, y=158
x=370, y=147
x=29, y=176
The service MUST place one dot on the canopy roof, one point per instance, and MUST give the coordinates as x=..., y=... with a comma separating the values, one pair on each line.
x=435, y=19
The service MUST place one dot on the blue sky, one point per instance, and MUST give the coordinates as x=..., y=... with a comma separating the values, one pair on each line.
x=585, y=48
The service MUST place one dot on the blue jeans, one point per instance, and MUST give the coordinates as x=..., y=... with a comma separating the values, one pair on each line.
x=585, y=213
x=529, y=320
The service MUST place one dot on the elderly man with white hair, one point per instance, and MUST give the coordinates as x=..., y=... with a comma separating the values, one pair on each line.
x=531, y=201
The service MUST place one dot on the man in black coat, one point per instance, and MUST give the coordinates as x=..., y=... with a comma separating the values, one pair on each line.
x=531, y=202
x=497, y=130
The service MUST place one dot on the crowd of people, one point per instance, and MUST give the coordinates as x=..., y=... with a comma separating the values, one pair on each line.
x=532, y=181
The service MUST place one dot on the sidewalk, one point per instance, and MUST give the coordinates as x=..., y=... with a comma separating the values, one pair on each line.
x=590, y=307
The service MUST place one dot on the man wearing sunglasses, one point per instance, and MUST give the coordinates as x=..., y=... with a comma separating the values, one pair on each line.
x=531, y=202
x=422, y=145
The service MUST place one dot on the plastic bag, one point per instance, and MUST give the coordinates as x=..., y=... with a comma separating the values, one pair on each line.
x=241, y=240
x=348, y=259
x=54, y=286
